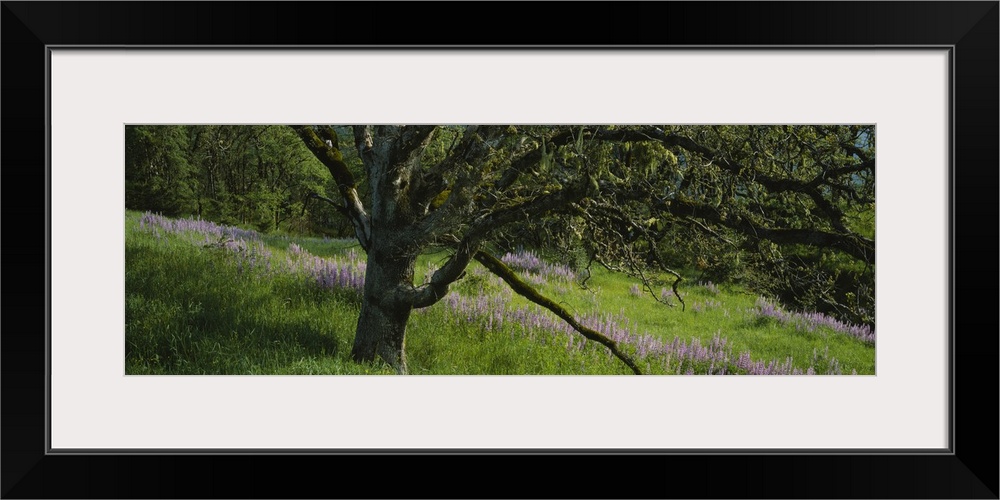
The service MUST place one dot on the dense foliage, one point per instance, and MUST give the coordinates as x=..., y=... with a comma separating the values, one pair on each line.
x=255, y=176
x=786, y=210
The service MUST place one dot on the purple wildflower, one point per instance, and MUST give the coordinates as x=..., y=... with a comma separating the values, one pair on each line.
x=527, y=261
x=809, y=321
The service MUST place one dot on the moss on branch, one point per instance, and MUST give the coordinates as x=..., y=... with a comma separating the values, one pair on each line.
x=525, y=290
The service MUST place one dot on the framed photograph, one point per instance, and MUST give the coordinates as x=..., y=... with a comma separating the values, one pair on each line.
x=921, y=77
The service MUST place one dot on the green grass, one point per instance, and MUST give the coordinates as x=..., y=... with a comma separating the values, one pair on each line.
x=191, y=310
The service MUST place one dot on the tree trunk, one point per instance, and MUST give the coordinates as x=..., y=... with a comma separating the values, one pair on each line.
x=381, y=328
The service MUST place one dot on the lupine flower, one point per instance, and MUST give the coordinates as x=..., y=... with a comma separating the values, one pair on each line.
x=529, y=262
x=196, y=227
x=679, y=356
x=808, y=321
x=496, y=312
x=347, y=273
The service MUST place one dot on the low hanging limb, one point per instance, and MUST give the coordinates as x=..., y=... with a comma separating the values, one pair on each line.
x=709, y=230
x=500, y=269
x=663, y=267
x=652, y=250
x=611, y=213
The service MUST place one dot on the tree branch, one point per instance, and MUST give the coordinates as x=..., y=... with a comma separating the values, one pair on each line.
x=636, y=230
x=328, y=153
x=336, y=206
x=429, y=293
x=470, y=153
x=533, y=207
x=854, y=245
x=709, y=230
x=498, y=268
x=810, y=188
x=529, y=159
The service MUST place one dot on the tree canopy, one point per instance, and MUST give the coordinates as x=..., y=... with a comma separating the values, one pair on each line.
x=796, y=198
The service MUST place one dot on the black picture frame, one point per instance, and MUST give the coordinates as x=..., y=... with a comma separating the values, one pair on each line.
x=968, y=470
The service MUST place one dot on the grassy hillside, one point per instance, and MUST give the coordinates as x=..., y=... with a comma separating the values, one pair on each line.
x=208, y=299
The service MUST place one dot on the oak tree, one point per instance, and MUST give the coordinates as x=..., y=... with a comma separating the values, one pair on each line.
x=621, y=190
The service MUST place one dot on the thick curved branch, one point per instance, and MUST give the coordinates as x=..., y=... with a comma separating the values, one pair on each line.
x=526, y=160
x=464, y=149
x=854, y=245
x=471, y=151
x=328, y=152
x=525, y=290
x=430, y=293
x=539, y=205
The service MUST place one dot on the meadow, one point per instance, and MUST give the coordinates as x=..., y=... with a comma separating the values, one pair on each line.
x=202, y=298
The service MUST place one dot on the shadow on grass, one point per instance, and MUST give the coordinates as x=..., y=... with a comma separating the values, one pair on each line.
x=191, y=312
